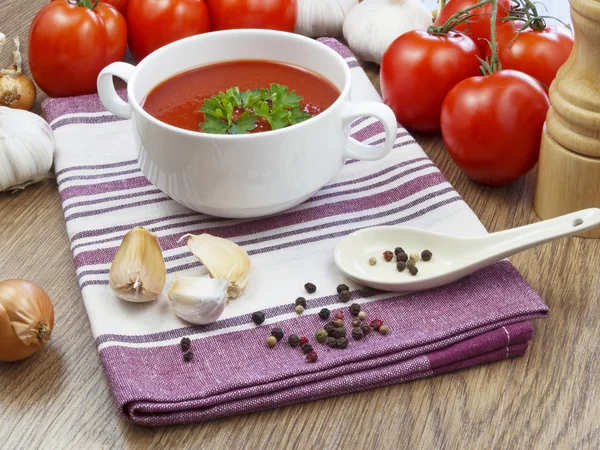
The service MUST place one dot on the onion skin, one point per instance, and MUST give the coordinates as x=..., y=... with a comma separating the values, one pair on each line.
x=17, y=91
x=26, y=319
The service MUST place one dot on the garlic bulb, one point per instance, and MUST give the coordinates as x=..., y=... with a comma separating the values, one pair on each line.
x=370, y=28
x=198, y=300
x=223, y=259
x=317, y=18
x=26, y=148
x=138, y=274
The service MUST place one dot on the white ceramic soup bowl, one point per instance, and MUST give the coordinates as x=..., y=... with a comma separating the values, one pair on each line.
x=251, y=175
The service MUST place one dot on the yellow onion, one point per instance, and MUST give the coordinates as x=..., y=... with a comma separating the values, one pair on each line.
x=16, y=90
x=26, y=319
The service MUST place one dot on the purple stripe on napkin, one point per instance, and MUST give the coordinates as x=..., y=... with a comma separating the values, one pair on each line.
x=479, y=319
x=132, y=162
x=56, y=107
x=85, y=120
x=101, y=188
x=112, y=198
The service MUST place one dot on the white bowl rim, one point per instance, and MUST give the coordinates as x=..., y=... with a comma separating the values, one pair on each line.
x=246, y=31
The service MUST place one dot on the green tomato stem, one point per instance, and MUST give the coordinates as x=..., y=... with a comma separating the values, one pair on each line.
x=459, y=17
x=495, y=61
x=89, y=4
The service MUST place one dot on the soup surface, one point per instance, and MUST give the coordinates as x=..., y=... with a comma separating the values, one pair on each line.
x=177, y=101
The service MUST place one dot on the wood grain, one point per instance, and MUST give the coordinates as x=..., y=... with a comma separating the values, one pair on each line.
x=550, y=398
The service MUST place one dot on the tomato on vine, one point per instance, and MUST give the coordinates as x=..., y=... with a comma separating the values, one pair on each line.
x=492, y=124
x=417, y=71
x=538, y=50
x=478, y=24
x=71, y=41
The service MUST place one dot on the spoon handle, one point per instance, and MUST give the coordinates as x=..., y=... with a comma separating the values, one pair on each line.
x=506, y=243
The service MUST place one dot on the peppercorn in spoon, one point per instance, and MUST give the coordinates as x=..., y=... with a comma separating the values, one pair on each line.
x=451, y=257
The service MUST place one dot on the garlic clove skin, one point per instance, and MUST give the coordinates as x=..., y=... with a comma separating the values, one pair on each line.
x=223, y=259
x=26, y=148
x=198, y=300
x=317, y=18
x=371, y=26
x=137, y=273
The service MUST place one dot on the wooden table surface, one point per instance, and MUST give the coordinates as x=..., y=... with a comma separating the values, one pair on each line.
x=550, y=398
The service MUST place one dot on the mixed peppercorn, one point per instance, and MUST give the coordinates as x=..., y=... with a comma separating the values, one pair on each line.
x=310, y=288
x=324, y=314
x=185, y=344
x=258, y=317
x=333, y=334
x=403, y=260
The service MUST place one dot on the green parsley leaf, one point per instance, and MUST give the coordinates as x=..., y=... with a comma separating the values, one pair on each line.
x=233, y=96
x=262, y=109
x=279, y=119
x=282, y=98
x=243, y=124
x=213, y=107
x=277, y=93
x=213, y=125
x=298, y=115
x=253, y=97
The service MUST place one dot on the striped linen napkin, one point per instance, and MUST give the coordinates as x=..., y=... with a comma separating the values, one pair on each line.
x=479, y=319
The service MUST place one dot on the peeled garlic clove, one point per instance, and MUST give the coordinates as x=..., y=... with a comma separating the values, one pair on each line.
x=223, y=259
x=198, y=300
x=318, y=18
x=371, y=26
x=138, y=273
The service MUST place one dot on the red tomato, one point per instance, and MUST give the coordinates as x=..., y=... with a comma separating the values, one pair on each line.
x=270, y=14
x=417, y=71
x=156, y=23
x=479, y=26
x=537, y=53
x=121, y=5
x=69, y=45
x=492, y=126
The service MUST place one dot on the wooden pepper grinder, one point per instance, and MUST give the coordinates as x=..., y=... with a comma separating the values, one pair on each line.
x=569, y=166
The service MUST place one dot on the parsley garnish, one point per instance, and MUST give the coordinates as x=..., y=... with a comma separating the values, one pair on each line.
x=277, y=105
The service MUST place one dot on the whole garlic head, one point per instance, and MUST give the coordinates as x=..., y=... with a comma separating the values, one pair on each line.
x=370, y=28
x=26, y=148
x=318, y=18
x=198, y=300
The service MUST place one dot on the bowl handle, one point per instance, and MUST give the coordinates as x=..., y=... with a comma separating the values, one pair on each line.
x=358, y=150
x=106, y=88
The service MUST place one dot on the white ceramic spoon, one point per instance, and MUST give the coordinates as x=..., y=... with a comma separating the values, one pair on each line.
x=453, y=257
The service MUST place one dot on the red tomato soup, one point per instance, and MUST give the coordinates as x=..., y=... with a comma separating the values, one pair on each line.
x=177, y=101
